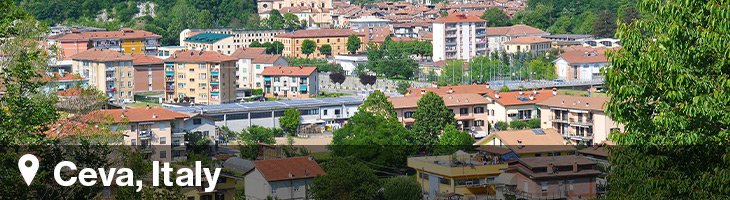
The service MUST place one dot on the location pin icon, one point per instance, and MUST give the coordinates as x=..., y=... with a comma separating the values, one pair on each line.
x=28, y=171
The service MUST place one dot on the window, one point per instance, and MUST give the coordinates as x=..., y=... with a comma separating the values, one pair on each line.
x=129, y=83
x=337, y=111
x=570, y=185
x=463, y=111
x=134, y=142
x=258, y=66
x=325, y=112
x=163, y=154
x=478, y=110
x=163, y=140
x=544, y=185
x=181, y=75
x=197, y=121
x=408, y=114
x=202, y=75
x=479, y=123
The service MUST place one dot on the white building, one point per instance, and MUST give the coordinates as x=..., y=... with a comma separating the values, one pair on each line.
x=368, y=22
x=240, y=38
x=498, y=36
x=459, y=36
x=603, y=42
x=290, y=82
x=251, y=62
x=350, y=62
x=581, y=63
x=287, y=178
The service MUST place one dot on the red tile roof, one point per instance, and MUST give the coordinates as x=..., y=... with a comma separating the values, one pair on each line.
x=248, y=52
x=69, y=127
x=193, y=56
x=515, y=30
x=266, y=59
x=319, y=33
x=288, y=71
x=124, y=33
x=514, y=98
x=101, y=55
x=457, y=17
x=457, y=89
x=142, y=59
x=449, y=99
x=575, y=102
x=288, y=168
x=134, y=115
x=584, y=55
x=74, y=91
x=61, y=77
x=527, y=40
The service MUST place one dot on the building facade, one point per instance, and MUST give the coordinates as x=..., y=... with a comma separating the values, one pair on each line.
x=201, y=77
x=126, y=40
x=579, y=119
x=221, y=43
x=469, y=175
x=581, y=63
x=149, y=75
x=287, y=178
x=108, y=71
x=459, y=36
x=528, y=44
x=251, y=63
x=337, y=38
x=557, y=177
x=498, y=36
x=469, y=111
x=290, y=82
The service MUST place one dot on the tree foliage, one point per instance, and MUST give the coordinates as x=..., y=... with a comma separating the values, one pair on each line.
x=308, y=47
x=89, y=99
x=337, y=77
x=322, y=65
x=353, y=44
x=402, y=188
x=668, y=85
x=368, y=79
x=345, y=179
x=325, y=49
x=393, y=59
x=402, y=86
x=290, y=121
x=453, y=140
x=431, y=117
x=378, y=104
x=496, y=17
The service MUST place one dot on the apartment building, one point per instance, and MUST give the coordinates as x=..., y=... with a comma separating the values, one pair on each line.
x=166, y=51
x=265, y=6
x=411, y=29
x=201, y=77
x=581, y=63
x=241, y=38
x=516, y=105
x=151, y=130
x=251, y=63
x=577, y=118
x=126, y=40
x=556, y=177
x=459, y=36
x=365, y=22
x=468, y=175
x=290, y=82
x=528, y=44
x=514, y=144
x=287, y=178
x=316, y=114
x=221, y=43
x=149, y=75
x=469, y=111
x=337, y=38
x=106, y=70
x=498, y=36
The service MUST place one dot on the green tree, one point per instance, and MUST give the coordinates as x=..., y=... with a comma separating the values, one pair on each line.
x=290, y=121
x=452, y=73
x=275, y=47
x=345, y=179
x=250, y=139
x=353, y=44
x=453, y=140
x=378, y=104
x=255, y=44
x=668, y=85
x=495, y=17
x=402, y=188
x=431, y=117
x=501, y=126
x=275, y=20
x=403, y=86
x=325, y=49
x=291, y=22
x=308, y=47
x=585, y=25
x=605, y=24
x=374, y=139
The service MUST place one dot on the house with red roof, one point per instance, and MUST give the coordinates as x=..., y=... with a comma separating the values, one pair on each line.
x=201, y=77
x=290, y=82
x=287, y=178
x=337, y=38
x=459, y=36
x=499, y=36
x=527, y=44
x=581, y=63
x=125, y=40
x=251, y=63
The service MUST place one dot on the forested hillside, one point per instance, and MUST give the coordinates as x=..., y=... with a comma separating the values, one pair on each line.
x=597, y=17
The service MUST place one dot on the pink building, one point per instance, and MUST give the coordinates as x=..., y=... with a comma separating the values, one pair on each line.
x=552, y=177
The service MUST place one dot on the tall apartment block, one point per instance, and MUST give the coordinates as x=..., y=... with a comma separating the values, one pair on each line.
x=459, y=36
x=239, y=38
x=200, y=77
x=106, y=70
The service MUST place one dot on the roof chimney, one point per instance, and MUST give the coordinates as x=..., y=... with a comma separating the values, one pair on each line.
x=496, y=95
x=532, y=97
x=423, y=91
x=587, y=104
x=555, y=92
x=148, y=106
x=522, y=92
x=291, y=175
x=451, y=90
x=154, y=116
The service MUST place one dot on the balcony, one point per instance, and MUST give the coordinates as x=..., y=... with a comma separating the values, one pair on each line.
x=582, y=122
x=111, y=69
x=560, y=119
x=145, y=135
x=111, y=79
x=169, y=79
x=214, y=73
x=170, y=88
x=169, y=73
x=452, y=165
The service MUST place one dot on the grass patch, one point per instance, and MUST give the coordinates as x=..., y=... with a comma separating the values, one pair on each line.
x=140, y=104
x=582, y=93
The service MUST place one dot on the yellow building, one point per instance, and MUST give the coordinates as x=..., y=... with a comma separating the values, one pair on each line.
x=106, y=70
x=337, y=38
x=201, y=77
x=470, y=175
x=228, y=187
x=528, y=44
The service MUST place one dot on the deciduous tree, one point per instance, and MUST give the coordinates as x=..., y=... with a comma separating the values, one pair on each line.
x=308, y=47
x=290, y=121
x=431, y=117
x=353, y=44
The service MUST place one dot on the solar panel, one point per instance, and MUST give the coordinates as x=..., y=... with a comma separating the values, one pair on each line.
x=538, y=131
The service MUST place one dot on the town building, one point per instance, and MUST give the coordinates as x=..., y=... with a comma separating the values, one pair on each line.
x=602, y=42
x=290, y=82
x=166, y=51
x=265, y=6
x=468, y=175
x=149, y=75
x=513, y=144
x=516, y=105
x=580, y=119
x=57, y=82
x=568, y=40
x=368, y=22
x=126, y=40
x=201, y=77
x=151, y=130
x=581, y=63
x=459, y=36
x=350, y=62
x=240, y=38
x=221, y=43
x=499, y=36
x=528, y=44
x=411, y=29
x=337, y=38
x=108, y=71
x=469, y=110
x=556, y=177
x=251, y=63
x=287, y=178
x=316, y=114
